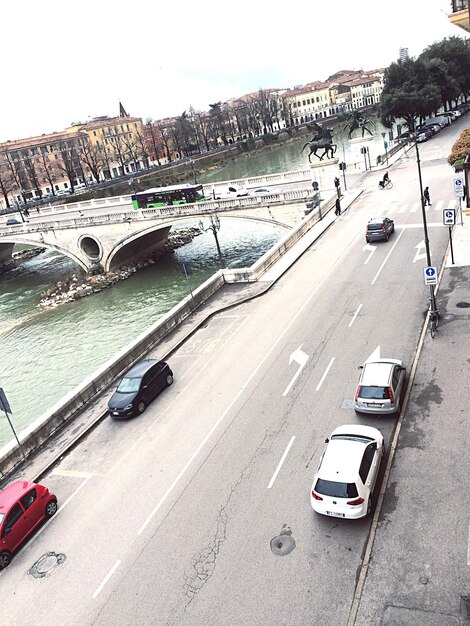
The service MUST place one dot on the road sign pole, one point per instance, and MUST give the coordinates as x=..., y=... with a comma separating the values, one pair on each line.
x=451, y=246
x=16, y=436
x=460, y=207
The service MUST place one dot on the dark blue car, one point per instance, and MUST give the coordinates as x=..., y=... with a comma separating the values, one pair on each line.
x=140, y=385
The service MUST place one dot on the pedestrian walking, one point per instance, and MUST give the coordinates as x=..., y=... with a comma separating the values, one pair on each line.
x=337, y=207
x=427, y=198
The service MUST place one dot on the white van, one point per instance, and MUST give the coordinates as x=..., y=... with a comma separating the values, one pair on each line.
x=229, y=191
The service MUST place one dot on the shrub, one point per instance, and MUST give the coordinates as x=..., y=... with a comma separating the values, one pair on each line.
x=461, y=148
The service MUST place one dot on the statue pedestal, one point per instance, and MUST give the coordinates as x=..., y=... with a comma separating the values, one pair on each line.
x=361, y=139
x=324, y=172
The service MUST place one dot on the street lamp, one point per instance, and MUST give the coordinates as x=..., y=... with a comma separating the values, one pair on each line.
x=425, y=228
x=132, y=182
x=193, y=171
x=385, y=146
x=214, y=227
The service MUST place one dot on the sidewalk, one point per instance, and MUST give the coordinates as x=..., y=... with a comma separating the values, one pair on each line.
x=419, y=568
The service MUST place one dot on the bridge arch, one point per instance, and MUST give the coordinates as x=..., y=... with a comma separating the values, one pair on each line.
x=34, y=243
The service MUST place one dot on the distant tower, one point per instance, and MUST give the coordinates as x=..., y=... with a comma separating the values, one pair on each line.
x=403, y=54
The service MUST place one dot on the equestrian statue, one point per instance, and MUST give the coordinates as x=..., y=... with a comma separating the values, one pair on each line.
x=322, y=138
x=358, y=121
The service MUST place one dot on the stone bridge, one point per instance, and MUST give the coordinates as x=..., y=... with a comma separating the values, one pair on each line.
x=120, y=235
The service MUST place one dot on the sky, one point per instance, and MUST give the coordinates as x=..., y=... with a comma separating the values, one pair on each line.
x=70, y=61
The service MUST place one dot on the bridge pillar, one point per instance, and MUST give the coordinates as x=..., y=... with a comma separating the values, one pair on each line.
x=6, y=251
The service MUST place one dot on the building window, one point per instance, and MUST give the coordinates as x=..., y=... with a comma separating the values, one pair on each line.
x=94, y=133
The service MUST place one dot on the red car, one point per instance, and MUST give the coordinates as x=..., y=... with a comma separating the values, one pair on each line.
x=23, y=506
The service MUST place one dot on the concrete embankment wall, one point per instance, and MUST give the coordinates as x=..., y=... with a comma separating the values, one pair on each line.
x=77, y=399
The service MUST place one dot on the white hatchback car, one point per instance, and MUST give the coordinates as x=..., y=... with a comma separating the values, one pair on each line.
x=348, y=470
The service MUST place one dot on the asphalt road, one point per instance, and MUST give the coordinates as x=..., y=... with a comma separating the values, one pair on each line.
x=170, y=518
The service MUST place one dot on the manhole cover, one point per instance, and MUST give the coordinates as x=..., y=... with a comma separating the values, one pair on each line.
x=463, y=305
x=284, y=543
x=46, y=564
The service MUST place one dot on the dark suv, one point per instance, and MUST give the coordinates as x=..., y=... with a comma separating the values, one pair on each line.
x=379, y=228
x=139, y=387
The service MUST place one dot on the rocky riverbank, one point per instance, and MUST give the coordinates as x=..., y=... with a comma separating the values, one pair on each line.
x=80, y=286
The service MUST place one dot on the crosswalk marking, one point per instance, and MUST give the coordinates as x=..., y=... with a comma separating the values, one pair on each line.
x=415, y=207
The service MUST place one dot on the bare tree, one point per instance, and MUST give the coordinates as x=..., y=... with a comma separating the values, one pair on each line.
x=91, y=155
x=67, y=160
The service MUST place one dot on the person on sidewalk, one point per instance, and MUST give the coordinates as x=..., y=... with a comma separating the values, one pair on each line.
x=427, y=198
x=337, y=207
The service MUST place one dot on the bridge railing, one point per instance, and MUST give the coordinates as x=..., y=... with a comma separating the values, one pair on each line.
x=181, y=210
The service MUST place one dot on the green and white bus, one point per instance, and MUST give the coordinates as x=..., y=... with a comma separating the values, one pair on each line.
x=166, y=196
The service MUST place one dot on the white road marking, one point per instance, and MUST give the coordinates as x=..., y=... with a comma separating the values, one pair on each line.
x=387, y=257
x=283, y=458
x=369, y=248
x=74, y=473
x=301, y=358
x=374, y=356
x=420, y=252
x=439, y=205
x=106, y=578
x=355, y=315
x=325, y=373
x=403, y=208
x=247, y=382
x=415, y=207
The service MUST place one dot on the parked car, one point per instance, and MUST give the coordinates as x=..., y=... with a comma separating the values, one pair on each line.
x=23, y=506
x=424, y=133
x=345, y=479
x=11, y=221
x=379, y=228
x=381, y=387
x=139, y=386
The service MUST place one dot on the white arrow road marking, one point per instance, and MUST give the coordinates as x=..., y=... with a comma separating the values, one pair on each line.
x=374, y=355
x=283, y=458
x=301, y=358
x=372, y=249
x=419, y=253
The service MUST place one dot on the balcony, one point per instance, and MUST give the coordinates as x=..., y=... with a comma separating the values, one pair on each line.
x=460, y=14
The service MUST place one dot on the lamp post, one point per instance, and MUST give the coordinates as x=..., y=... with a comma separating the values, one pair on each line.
x=385, y=146
x=193, y=171
x=425, y=228
x=132, y=182
x=214, y=227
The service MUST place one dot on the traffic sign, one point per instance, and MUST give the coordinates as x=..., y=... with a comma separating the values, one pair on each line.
x=448, y=217
x=430, y=275
x=4, y=404
x=459, y=187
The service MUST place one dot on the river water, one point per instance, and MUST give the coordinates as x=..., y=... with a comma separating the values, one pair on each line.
x=45, y=354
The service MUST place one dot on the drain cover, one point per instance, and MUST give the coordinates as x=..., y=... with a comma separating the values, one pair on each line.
x=46, y=564
x=463, y=305
x=284, y=543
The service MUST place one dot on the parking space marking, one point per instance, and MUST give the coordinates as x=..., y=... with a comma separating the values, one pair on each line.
x=75, y=473
x=387, y=257
x=325, y=373
x=106, y=578
x=355, y=315
x=283, y=458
